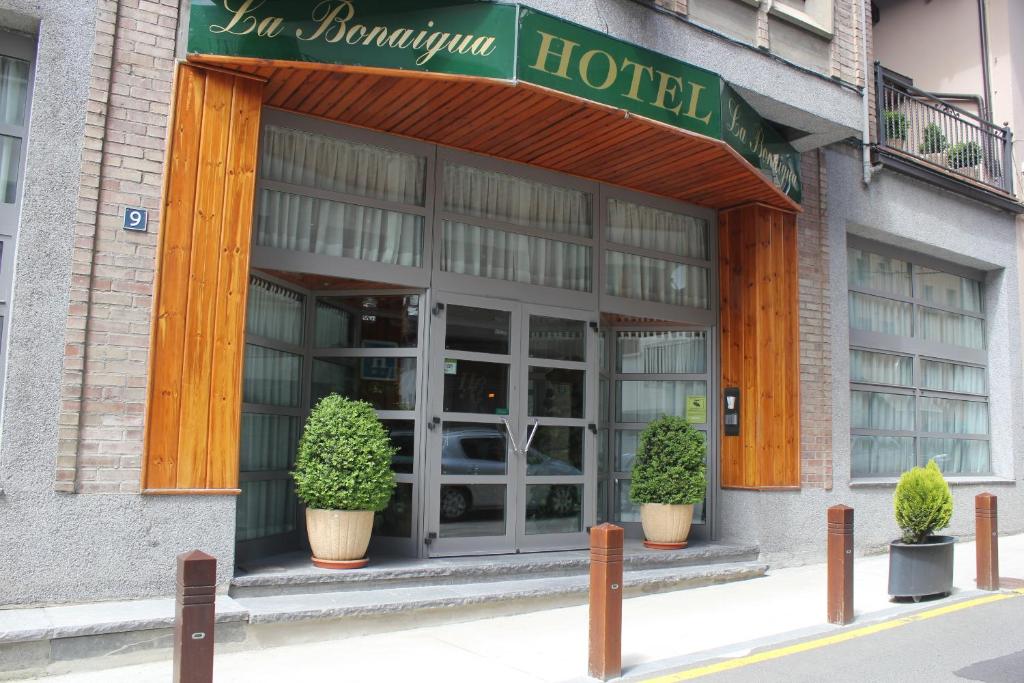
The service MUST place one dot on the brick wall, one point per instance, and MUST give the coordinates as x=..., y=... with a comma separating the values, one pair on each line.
x=107, y=341
x=815, y=327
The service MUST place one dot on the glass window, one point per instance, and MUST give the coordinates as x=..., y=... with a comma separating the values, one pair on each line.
x=671, y=233
x=271, y=377
x=475, y=387
x=501, y=255
x=318, y=226
x=951, y=328
x=626, y=442
x=882, y=273
x=474, y=448
x=376, y=322
x=952, y=377
x=501, y=197
x=556, y=451
x=624, y=510
x=881, y=456
x=395, y=520
x=555, y=392
x=643, y=401
x=957, y=456
x=480, y=330
x=265, y=508
x=472, y=510
x=10, y=168
x=951, y=416
x=384, y=383
x=558, y=339
x=268, y=442
x=13, y=90
x=668, y=352
x=274, y=312
x=881, y=368
x=554, y=508
x=885, y=316
x=403, y=437
x=890, y=412
x=338, y=165
x=952, y=291
x=648, y=279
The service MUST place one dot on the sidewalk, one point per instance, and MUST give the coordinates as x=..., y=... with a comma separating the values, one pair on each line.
x=658, y=631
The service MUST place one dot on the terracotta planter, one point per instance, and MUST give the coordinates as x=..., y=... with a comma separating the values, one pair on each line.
x=666, y=526
x=339, y=536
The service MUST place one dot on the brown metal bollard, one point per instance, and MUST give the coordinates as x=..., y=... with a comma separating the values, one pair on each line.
x=840, y=565
x=986, y=541
x=606, y=601
x=194, y=617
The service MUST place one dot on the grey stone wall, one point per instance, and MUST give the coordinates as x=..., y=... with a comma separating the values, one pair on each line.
x=790, y=526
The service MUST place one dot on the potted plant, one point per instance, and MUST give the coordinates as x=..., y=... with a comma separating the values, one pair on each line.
x=343, y=475
x=921, y=563
x=965, y=158
x=896, y=126
x=934, y=144
x=669, y=477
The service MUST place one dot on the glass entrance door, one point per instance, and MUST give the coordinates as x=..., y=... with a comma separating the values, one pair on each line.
x=511, y=427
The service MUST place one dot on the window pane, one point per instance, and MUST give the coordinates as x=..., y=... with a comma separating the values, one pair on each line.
x=471, y=250
x=274, y=312
x=602, y=501
x=554, y=508
x=672, y=352
x=948, y=290
x=556, y=451
x=643, y=401
x=271, y=377
x=558, y=339
x=602, y=453
x=874, y=314
x=475, y=387
x=623, y=510
x=952, y=377
x=10, y=168
x=298, y=223
x=268, y=442
x=473, y=448
x=949, y=416
x=625, y=449
x=482, y=330
x=957, y=456
x=403, y=437
x=377, y=322
x=647, y=279
x=501, y=197
x=881, y=456
x=555, y=392
x=13, y=90
x=265, y=508
x=951, y=328
x=871, y=271
x=881, y=368
x=472, y=510
x=395, y=521
x=890, y=412
x=664, y=231
x=384, y=383
x=338, y=165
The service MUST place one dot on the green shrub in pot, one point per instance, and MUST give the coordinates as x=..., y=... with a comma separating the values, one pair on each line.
x=896, y=125
x=963, y=155
x=921, y=563
x=934, y=141
x=923, y=503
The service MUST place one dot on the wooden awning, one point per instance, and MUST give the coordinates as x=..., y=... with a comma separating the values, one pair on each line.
x=520, y=122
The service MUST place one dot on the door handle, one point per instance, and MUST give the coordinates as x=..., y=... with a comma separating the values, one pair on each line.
x=529, y=438
x=511, y=437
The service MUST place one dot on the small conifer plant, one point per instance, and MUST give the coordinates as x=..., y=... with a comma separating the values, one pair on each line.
x=344, y=459
x=669, y=467
x=923, y=503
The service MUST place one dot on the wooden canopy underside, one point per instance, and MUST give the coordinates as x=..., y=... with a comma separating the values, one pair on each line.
x=519, y=122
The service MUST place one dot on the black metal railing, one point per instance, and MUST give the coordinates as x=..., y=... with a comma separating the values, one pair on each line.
x=931, y=130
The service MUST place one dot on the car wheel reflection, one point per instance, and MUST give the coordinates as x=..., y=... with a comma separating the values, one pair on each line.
x=455, y=503
x=562, y=500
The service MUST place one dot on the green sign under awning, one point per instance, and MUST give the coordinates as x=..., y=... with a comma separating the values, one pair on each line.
x=499, y=41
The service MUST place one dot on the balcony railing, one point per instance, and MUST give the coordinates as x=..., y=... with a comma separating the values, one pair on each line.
x=919, y=125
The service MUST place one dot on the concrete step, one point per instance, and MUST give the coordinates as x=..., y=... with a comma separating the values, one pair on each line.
x=295, y=575
x=510, y=596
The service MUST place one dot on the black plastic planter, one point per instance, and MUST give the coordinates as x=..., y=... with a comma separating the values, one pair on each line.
x=917, y=570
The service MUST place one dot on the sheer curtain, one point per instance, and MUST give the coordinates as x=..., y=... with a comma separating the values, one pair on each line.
x=952, y=377
x=274, y=312
x=881, y=456
x=10, y=168
x=875, y=314
x=649, y=228
x=889, y=412
x=646, y=400
x=881, y=368
x=951, y=328
x=648, y=279
x=672, y=352
x=872, y=271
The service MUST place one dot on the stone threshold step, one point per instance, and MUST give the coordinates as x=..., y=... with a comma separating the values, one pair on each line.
x=295, y=574
x=534, y=593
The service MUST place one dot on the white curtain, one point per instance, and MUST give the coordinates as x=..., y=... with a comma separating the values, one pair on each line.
x=871, y=271
x=472, y=250
x=271, y=377
x=268, y=441
x=288, y=221
x=949, y=290
x=890, y=412
x=951, y=328
x=10, y=168
x=274, y=312
x=646, y=400
x=327, y=163
x=639, y=277
x=664, y=231
x=475, y=192
x=957, y=456
x=881, y=456
x=265, y=508
x=950, y=416
x=881, y=368
x=333, y=326
x=875, y=314
x=952, y=377
x=670, y=352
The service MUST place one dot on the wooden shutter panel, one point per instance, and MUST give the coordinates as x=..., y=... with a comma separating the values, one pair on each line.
x=197, y=342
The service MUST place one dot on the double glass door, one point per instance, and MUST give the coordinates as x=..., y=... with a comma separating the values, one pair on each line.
x=511, y=426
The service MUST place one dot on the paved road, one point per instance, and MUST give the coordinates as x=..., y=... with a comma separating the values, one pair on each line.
x=981, y=642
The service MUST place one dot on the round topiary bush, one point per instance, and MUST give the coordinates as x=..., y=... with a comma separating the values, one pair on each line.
x=923, y=503
x=344, y=460
x=669, y=467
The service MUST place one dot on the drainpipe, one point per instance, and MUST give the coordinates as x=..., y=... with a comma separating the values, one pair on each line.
x=866, y=104
x=986, y=75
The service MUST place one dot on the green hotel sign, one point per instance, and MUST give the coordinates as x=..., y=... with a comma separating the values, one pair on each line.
x=506, y=42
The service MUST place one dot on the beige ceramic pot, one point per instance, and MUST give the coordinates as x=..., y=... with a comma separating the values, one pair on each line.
x=666, y=523
x=339, y=535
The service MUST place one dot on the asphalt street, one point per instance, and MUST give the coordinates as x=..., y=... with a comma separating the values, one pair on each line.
x=982, y=642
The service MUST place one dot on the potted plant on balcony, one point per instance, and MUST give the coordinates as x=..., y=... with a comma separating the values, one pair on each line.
x=921, y=563
x=343, y=475
x=896, y=126
x=965, y=158
x=669, y=477
x=934, y=144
